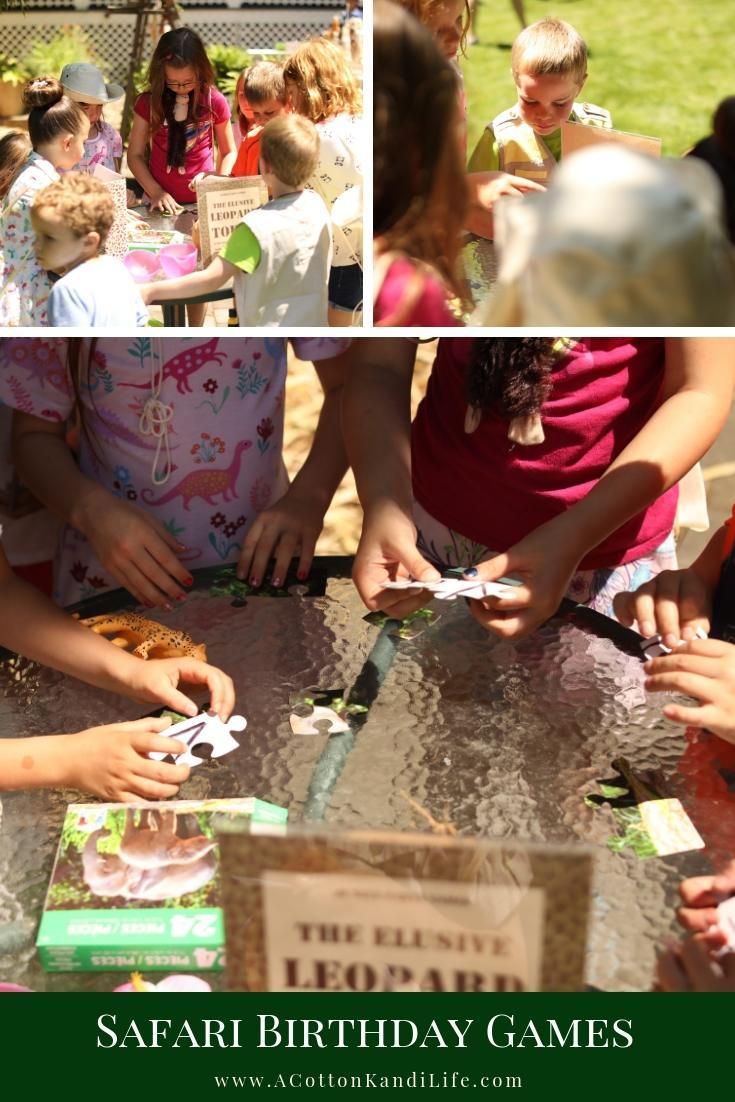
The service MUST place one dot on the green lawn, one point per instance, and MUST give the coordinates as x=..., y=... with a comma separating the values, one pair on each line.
x=659, y=66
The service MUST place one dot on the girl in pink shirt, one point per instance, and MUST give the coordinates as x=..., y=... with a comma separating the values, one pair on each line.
x=418, y=214
x=553, y=461
x=184, y=119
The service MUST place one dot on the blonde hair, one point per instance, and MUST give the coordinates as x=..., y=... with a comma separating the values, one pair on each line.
x=550, y=47
x=290, y=145
x=85, y=204
x=264, y=81
x=324, y=81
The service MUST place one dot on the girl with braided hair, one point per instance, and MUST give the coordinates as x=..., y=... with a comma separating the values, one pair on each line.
x=552, y=460
x=184, y=119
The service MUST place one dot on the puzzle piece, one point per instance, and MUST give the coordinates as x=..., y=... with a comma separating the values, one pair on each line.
x=315, y=719
x=206, y=729
x=654, y=646
x=448, y=589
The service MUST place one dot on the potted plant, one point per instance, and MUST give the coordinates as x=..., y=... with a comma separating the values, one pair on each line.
x=228, y=62
x=13, y=76
x=68, y=45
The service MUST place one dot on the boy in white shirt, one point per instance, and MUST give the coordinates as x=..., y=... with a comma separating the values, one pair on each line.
x=280, y=254
x=71, y=219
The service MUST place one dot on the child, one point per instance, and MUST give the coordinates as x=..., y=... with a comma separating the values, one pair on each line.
x=417, y=217
x=110, y=762
x=549, y=66
x=30, y=533
x=179, y=458
x=676, y=604
x=85, y=84
x=264, y=89
x=243, y=110
x=718, y=151
x=279, y=255
x=618, y=239
x=15, y=149
x=561, y=455
x=322, y=87
x=58, y=129
x=71, y=219
x=184, y=119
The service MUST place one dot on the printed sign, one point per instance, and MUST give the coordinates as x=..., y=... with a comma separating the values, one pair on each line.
x=370, y=911
x=575, y=135
x=223, y=201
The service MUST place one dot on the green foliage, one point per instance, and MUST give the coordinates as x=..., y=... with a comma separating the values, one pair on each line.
x=63, y=894
x=115, y=824
x=228, y=62
x=72, y=837
x=68, y=45
x=660, y=69
x=12, y=71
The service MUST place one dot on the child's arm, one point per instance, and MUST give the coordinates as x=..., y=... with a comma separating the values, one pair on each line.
x=139, y=135
x=189, y=286
x=132, y=546
x=696, y=397
x=226, y=148
x=292, y=525
x=35, y=627
x=109, y=762
x=377, y=431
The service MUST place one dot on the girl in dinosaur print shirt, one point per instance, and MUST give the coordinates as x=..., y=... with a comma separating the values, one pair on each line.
x=179, y=461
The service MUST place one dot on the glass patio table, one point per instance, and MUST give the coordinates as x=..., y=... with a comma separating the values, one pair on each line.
x=502, y=740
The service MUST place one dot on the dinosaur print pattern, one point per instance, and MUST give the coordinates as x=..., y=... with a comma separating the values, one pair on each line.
x=199, y=386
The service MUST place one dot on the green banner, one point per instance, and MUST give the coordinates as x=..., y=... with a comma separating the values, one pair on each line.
x=582, y=1046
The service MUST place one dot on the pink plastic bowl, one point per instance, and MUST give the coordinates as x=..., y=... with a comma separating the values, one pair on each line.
x=141, y=265
x=178, y=260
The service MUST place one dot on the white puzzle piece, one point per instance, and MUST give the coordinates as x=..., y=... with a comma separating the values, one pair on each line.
x=307, y=725
x=448, y=589
x=654, y=646
x=206, y=729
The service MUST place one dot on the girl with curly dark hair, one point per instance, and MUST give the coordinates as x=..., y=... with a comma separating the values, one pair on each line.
x=552, y=460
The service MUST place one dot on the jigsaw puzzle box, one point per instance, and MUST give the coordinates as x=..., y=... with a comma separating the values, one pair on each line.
x=137, y=887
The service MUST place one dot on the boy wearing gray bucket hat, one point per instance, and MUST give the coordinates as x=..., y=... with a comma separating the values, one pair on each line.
x=85, y=84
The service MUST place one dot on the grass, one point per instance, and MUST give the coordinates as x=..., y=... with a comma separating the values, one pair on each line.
x=659, y=68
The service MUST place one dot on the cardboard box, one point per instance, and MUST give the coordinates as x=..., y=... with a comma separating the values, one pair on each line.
x=137, y=886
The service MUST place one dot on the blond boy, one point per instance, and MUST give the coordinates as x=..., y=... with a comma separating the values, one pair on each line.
x=549, y=66
x=279, y=255
x=71, y=219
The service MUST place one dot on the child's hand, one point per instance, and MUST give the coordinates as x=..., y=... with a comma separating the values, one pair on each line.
x=674, y=603
x=703, y=669
x=700, y=896
x=111, y=761
x=291, y=526
x=199, y=176
x=158, y=679
x=388, y=552
x=545, y=564
x=688, y=966
x=135, y=549
x=147, y=292
x=485, y=188
x=161, y=200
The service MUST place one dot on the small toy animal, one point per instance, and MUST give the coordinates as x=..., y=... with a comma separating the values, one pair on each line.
x=145, y=638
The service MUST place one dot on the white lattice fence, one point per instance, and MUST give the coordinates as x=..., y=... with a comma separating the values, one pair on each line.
x=112, y=35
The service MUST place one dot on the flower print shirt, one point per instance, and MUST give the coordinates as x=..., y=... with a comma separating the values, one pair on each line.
x=225, y=399
x=340, y=169
x=102, y=149
x=24, y=285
